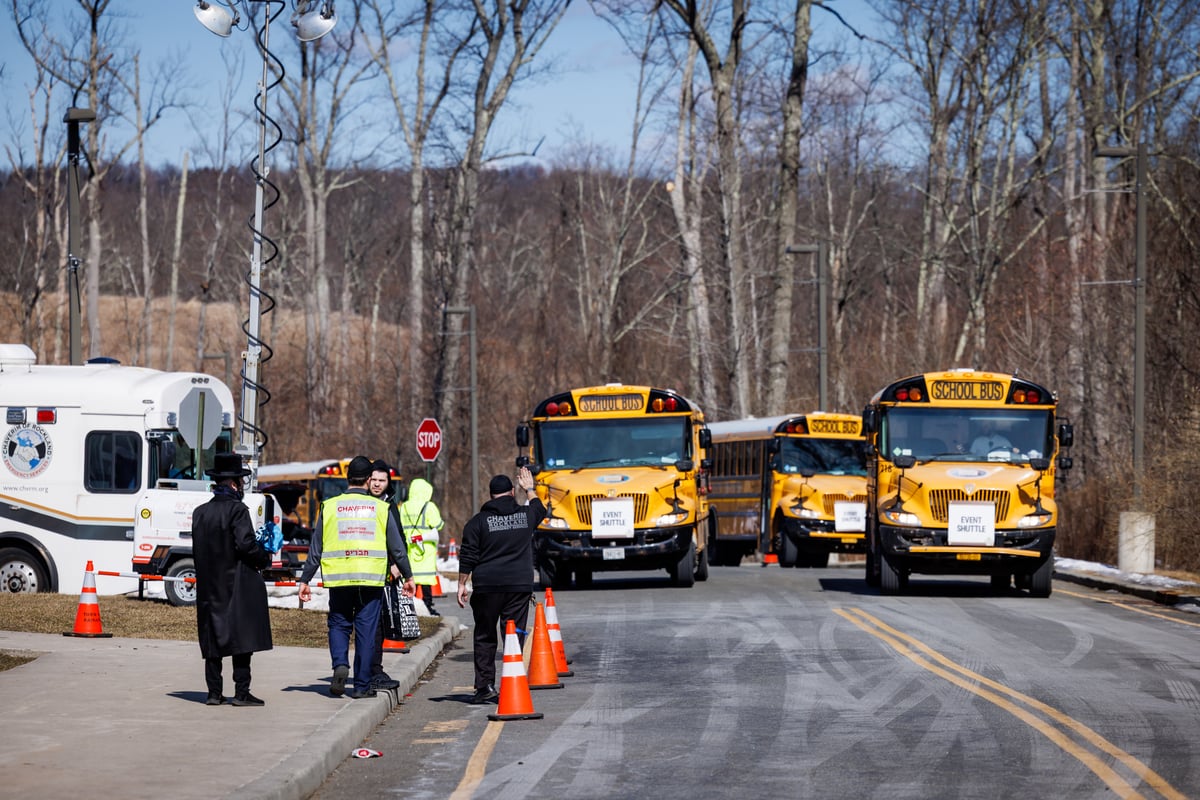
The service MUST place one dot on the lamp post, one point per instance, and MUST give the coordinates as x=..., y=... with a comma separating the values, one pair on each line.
x=73, y=117
x=821, y=249
x=470, y=312
x=311, y=23
x=1135, y=530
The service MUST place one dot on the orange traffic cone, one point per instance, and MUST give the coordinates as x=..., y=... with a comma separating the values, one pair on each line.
x=543, y=673
x=452, y=551
x=515, y=700
x=87, y=616
x=437, y=586
x=394, y=645
x=556, y=641
x=770, y=558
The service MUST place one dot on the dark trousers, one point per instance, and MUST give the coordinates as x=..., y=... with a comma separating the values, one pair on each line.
x=491, y=611
x=241, y=675
x=354, y=609
x=425, y=591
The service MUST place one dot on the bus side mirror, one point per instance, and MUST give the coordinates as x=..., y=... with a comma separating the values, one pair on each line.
x=1040, y=464
x=1065, y=463
x=522, y=436
x=705, y=438
x=1066, y=434
x=905, y=462
x=773, y=446
x=706, y=464
x=684, y=465
x=870, y=420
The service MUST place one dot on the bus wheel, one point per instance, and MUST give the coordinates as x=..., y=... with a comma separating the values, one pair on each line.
x=1000, y=583
x=583, y=578
x=702, y=565
x=890, y=579
x=872, y=574
x=21, y=573
x=788, y=552
x=1039, y=583
x=682, y=572
x=181, y=593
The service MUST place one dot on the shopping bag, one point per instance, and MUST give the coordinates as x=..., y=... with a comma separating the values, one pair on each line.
x=400, y=615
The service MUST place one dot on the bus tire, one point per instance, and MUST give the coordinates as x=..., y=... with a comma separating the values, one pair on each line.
x=21, y=572
x=702, y=565
x=872, y=572
x=682, y=573
x=1000, y=583
x=890, y=579
x=583, y=578
x=789, y=553
x=181, y=593
x=1040, y=580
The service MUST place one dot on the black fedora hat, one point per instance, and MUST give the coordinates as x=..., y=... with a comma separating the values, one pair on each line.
x=227, y=465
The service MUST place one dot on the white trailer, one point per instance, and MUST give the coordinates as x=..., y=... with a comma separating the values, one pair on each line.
x=82, y=447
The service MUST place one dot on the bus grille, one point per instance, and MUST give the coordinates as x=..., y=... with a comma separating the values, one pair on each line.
x=940, y=500
x=583, y=507
x=831, y=499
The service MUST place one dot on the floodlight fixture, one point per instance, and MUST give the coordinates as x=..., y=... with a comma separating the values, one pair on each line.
x=313, y=23
x=215, y=18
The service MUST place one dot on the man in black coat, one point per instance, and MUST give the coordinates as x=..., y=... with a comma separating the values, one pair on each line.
x=496, y=557
x=232, y=618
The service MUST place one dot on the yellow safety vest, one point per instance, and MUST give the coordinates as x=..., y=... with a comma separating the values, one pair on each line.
x=422, y=555
x=354, y=540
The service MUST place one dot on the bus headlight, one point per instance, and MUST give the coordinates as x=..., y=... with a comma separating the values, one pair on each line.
x=807, y=513
x=1033, y=521
x=671, y=519
x=902, y=518
x=556, y=522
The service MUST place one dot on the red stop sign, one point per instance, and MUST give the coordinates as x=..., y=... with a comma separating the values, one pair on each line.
x=429, y=439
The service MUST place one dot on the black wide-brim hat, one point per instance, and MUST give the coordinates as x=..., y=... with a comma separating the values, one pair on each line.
x=227, y=465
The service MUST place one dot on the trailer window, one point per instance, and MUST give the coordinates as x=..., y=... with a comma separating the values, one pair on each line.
x=112, y=462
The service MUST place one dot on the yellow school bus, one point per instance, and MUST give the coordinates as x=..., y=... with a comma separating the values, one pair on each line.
x=301, y=486
x=961, y=479
x=622, y=471
x=794, y=486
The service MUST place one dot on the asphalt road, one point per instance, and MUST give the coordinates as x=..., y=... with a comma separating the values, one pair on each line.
x=770, y=683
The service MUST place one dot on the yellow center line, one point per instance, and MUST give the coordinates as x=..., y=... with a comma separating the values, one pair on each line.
x=477, y=766
x=897, y=640
x=1129, y=607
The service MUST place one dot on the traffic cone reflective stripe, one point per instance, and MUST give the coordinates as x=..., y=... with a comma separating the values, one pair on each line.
x=543, y=673
x=87, y=615
x=561, y=661
x=515, y=700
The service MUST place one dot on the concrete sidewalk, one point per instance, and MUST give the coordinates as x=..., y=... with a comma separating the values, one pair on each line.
x=100, y=718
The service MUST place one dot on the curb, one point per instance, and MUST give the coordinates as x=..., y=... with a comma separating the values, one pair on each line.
x=1156, y=594
x=299, y=775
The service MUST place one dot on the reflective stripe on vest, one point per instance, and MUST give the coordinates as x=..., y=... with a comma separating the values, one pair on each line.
x=354, y=540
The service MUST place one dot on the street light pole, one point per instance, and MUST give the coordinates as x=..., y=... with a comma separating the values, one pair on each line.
x=470, y=312
x=73, y=117
x=1139, y=314
x=821, y=249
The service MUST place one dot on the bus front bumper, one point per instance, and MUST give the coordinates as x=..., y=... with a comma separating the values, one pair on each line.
x=651, y=548
x=926, y=550
x=819, y=534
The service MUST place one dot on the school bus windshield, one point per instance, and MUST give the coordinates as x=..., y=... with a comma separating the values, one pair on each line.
x=580, y=444
x=821, y=456
x=968, y=434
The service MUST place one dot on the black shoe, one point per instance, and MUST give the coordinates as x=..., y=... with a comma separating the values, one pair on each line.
x=214, y=699
x=484, y=696
x=337, y=686
x=247, y=699
x=384, y=683
x=356, y=695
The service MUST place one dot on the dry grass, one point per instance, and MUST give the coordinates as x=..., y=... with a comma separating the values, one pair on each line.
x=130, y=618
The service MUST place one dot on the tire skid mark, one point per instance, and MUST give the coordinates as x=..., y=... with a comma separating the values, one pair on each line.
x=1003, y=696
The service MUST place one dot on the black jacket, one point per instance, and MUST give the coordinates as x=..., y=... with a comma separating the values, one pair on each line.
x=497, y=545
x=231, y=598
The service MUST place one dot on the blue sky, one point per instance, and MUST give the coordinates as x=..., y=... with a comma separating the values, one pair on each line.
x=591, y=88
